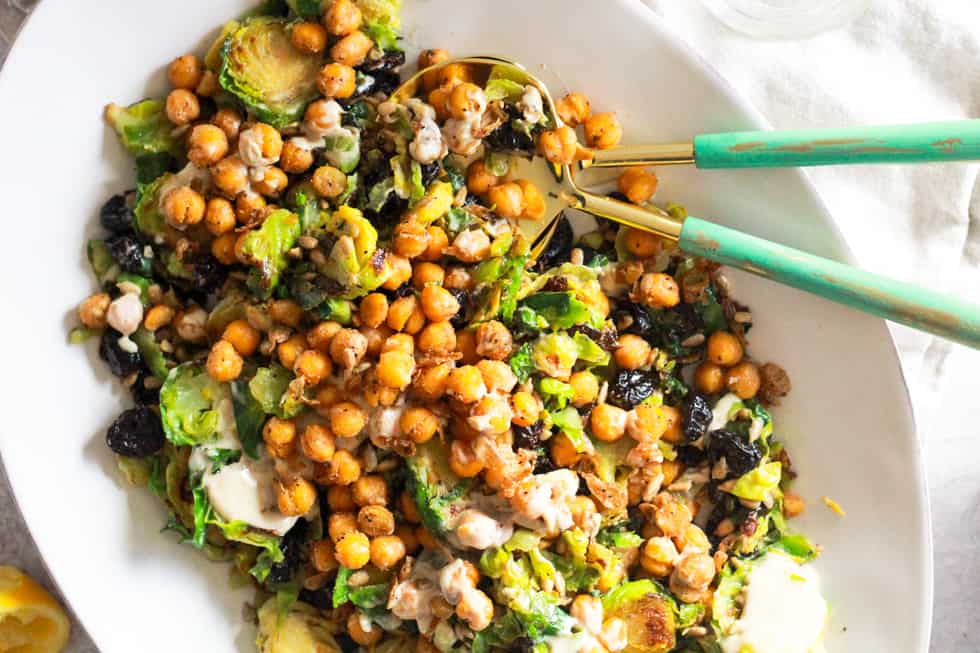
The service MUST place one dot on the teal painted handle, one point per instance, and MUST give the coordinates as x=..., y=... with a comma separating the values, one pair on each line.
x=919, y=308
x=919, y=143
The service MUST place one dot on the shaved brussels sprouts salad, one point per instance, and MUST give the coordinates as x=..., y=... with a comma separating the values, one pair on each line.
x=355, y=386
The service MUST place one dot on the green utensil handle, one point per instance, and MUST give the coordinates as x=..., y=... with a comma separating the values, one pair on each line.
x=917, y=143
x=919, y=308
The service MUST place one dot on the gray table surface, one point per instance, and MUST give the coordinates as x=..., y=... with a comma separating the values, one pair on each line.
x=953, y=499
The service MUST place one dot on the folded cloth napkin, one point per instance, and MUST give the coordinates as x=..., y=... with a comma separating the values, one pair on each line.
x=899, y=61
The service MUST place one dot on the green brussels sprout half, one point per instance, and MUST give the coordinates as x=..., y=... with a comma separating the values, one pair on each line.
x=260, y=66
x=649, y=616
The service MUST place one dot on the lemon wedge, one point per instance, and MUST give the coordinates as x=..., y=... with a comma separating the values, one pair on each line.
x=31, y=621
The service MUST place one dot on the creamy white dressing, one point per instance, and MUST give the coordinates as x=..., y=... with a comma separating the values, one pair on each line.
x=545, y=499
x=531, y=104
x=243, y=491
x=723, y=411
x=250, y=149
x=428, y=145
x=574, y=643
x=477, y=530
x=412, y=598
x=783, y=610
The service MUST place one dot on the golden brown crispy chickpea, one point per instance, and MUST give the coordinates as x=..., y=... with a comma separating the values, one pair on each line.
x=438, y=304
x=340, y=499
x=658, y=555
x=466, y=384
x=264, y=142
x=206, y=145
x=243, y=337
x=327, y=396
x=608, y=422
x=286, y=311
x=466, y=100
x=451, y=75
x=724, y=349
x=353, y=550
x=525, y=408
x=373, y=310
x=224, y=364
x=158, y=317
x=295, y=157
x=273, y=182
x=437, y=338
x=646, y=423
x=295, y=496
x=312, y=366
x=322, y=334
x=638, y=184
x=309, y=37
x=342, y=18
x=370, y=490
x=709, y=378
x=229, y=121
x=419, y=424
x=411, y=239
x=494, y=340
x=399, y=342
x=507, y=200
x=573, y=109
x=209, y=85
x=341, y=523
x=436, y=243
x=322, y=557
x=250, y=208
x=353, y=49
x=426, y=273
x=347, y=348
x=657, y=289
x=642, y=244
x=230, y=176
x=219, y=216
x=633, y=352
x=561, y=146
x=672, y=416
x=476, y=609
x=431, y=382
x=92, y=311
x=401, y=271
x=279, y=434
x=585, y=385
x=347, y=419
x=743, y=379
x=793, y=505
x=328, y=181
x=387, y=551
x=183, y=107
x=692, y=575
x=289, y=351
x=463, y=461
x=362, y=630
x=376, y=520
x=223, y=248
x=429, y=58
x=497, y=375
x=399, y=312
x=534, y=204
x=337, y=80
x=185, y=72
x=317, y=443
x=182, y=207
x=479, y=179
x=439, y=100
x=562, y=451
x=466, y=346
x=395, y=369
x=603, y=131
x=343, y=469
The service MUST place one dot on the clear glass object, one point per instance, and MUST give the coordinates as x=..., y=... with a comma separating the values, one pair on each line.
x=785, y=19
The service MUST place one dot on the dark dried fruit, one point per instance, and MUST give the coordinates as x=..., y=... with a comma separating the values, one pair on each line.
x=207, y=274
x=559, y=249
x=557, y=283
x=465, y=299
x=429, y=172
x=321, y=598
x=505, y=137
x=691, y=456
x=528, y=437
x=608, y=339
x=136, y=433
x=116, y=215
x=121, y=362
x=390, y=212
x=741, y=456
x=697, y=417
x=630, y=387
x=543, y=463
x=291, y=546
x=633, y=318
x=141, y=394
x=128, y=253
x=390, y=60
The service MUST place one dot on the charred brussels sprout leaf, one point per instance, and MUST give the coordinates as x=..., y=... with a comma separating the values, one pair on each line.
x=648, y=614
x=260, y=66
x=522, y=362
x=438, y=493
x=249, y=418
x=266, y=247
x=116, y=215
x=143, y=127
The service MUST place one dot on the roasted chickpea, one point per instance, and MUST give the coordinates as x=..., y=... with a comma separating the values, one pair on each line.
x=399, y=342
x=183, y=207
x=322, y=556
x=352, y=50
x=279, y=436
x=437, y=337
x=320, y=336
x=466, y=346
x=158, y=317
x=229, y=121
x=289, y=351
x=223, y=248
x=431, y=382
x=691, y=577
x=327, y=396
x=471, y=246
x=507, y=200
x=656, y=289
x=340, y=524
x=376, y=521
x=209, y=85
x=479, y=179
x=436, y=243
x=308, y=37
x=603, y=131
x=709, y=378
x=724, y=349
x=295, y=496
x=182, y=107
x=250, y=208
x=353, y=550
x=583, y=512
x=373, y=310
x=230, y=176
x=638, y=184
x=608, y=422
x=573, y=109
x=337, y=80
x=561, y=146
x=497, y=375
x=296, y=158
x=439, y=100
x=343, y=469
x=494, y=340
x=672, y=417
x=463, y=461
x=438, y=304
x=347, y=419
x=340, y=499
x=313, y=366
x=243, y=337
x=429, y=58
x=658, y=556
x=642, y=244
x=563, y=452
x=585, y=385
x=185, y=72
x=219, y=216
x=342, y=18
x=525, y=409
x=317, y=443
x=401, y=271
x=347, y=348
x=454, y=74
x=646, y=423
x=92, y=311
x=466, y=384
x=467, y=100
x=224, y=363
x=260, y=144
x=476, y=609
x=395, y=369
x=286, y=311
x=793, y=505
x=491, y=415
x=206, y=145
x=411, y=239
x=387, y=551
x=362, y=630
x=419, y=424
x=273, y=182
x=424, y=274
x=399, y=312
x=743, y=379
x=534, y=204
x=633, y=352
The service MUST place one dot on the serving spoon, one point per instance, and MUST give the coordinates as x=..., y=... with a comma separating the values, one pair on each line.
x=941, y=314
